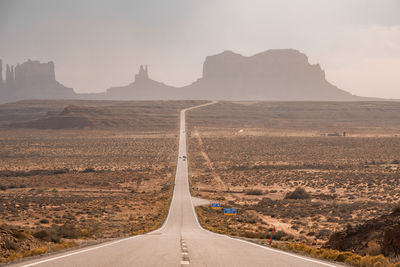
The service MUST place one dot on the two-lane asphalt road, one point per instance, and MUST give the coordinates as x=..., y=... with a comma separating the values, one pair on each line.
x=181, y=241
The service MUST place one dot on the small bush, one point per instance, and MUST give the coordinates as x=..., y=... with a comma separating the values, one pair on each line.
x=298, y=193
x=43, y=235
x=255, y=192
x=36, y=251
x=19, y=235
x=324, y=233
x=68, y=231
x=44, y=221
x=366, y=261
x=343, y=256
x=254, y=235
x=380, y=260
x=88, y=170
x=279, y=235
x=65, y=245
x=10, y=244
x=15, y=256
x=49, y=236
x=330, y=254
x=374, y=249
x=353, y=260
x=60, y=171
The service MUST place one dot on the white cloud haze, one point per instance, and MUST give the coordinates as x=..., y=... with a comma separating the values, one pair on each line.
x=98, y=44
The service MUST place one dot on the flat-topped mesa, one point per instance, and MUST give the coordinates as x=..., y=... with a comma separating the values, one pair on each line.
x=35, y=72
x=278, y=63
x=143, y=74
x=276, y=74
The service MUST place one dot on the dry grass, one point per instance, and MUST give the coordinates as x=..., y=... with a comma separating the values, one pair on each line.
x=107, y=186
x=274, y=148
x=76, y=185
x=349, y=186
x=335, y=255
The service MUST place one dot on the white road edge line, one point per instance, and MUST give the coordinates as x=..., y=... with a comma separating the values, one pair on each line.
x=80, y=251
x=124, y=239
x=101, y=246
x=173, y=195
x=247, y=242
x=263, y=247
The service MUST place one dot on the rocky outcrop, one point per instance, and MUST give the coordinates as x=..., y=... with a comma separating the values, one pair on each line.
x=32, y=80
x=383, y=230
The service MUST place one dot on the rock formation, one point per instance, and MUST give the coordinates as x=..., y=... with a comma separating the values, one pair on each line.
x=1, y=71
x=277, y=75
x=282, y=74
x=273, y=75
x=9, y=74
x=385, y=230
x=32, y=80
x=143, y=88
x=35, y=72
x=143, y=74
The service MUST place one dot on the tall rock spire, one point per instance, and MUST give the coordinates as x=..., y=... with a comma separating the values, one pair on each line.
x=8, y=74
x=12, y=73
x=142, y=75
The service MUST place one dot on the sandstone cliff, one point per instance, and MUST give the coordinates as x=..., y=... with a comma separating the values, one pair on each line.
x=32, y=80
x=277, y=75
x=273, y=75
x=283, y=74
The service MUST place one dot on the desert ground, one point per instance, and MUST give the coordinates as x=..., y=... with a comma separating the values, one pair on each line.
x=108, y=174
x=343, y=159
x=73, y=172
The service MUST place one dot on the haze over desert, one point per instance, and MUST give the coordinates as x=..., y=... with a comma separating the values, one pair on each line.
x=199, y=133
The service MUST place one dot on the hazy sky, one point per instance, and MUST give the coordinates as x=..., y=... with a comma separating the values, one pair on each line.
x=97, y=44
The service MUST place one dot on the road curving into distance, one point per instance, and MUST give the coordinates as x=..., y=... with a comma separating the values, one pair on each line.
x=181, y=241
